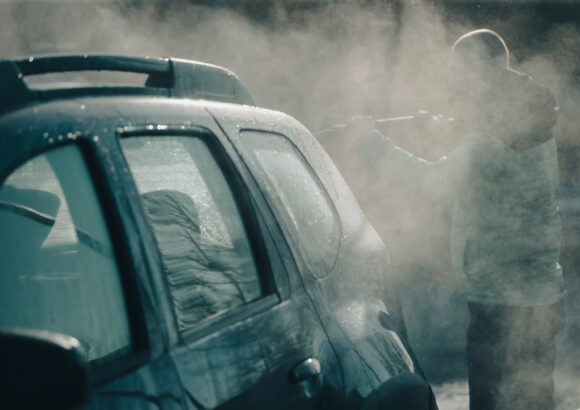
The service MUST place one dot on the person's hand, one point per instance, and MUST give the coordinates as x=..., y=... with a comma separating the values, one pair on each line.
x=367, y=141
x=361, y=126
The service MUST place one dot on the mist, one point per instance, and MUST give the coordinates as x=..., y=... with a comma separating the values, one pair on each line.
x=323, y=65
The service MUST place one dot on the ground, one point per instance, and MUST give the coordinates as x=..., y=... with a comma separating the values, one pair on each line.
x=454, y=395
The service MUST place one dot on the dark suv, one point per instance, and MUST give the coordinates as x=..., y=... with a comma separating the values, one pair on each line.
x=173, y=246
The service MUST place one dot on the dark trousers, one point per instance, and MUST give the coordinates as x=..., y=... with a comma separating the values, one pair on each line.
x=511, y=353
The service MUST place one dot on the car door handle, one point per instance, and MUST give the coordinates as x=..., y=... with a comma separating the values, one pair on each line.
x=308, y=375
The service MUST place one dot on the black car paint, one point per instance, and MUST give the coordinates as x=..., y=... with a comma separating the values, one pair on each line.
x=244, y=360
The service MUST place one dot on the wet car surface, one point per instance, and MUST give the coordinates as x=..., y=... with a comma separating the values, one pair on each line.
x=182, y=248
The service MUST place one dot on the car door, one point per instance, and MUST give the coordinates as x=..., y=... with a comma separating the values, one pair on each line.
x=67, y=266
x=342, y=260
x=247, y=333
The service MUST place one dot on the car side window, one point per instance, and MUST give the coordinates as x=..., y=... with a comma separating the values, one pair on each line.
x=298, y=195
x=198, y=226
x=58, y=268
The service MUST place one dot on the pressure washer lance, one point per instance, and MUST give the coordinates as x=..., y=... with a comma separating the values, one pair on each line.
x=420, y=115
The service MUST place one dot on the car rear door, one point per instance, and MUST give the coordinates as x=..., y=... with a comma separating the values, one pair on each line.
x=247, y=334
x=342, y=261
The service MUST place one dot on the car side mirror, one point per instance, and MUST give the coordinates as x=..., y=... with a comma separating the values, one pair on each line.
x=41, y=370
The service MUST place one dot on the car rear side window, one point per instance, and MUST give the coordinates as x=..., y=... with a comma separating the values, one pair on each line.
x=198, y=226
x=298, y=196
x=58, y=268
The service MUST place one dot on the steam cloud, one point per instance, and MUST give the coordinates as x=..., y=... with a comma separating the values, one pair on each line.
x=322, y=66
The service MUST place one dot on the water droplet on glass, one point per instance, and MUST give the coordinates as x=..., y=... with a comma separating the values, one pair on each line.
x=50, y=140
x=45, y=135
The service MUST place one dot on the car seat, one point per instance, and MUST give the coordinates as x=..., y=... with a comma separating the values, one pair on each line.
x=200, y=286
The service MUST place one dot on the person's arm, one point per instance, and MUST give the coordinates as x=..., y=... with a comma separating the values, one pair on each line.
x=388, y=159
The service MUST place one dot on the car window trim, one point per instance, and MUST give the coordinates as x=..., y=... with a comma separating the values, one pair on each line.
x=268, y=223
x=213, y=324
x=138, y=353
x=244, y=203
x=140, y=343
x=294, y=243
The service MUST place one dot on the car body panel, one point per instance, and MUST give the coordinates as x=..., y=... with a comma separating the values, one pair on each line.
x=346, y=319
x=352, y=297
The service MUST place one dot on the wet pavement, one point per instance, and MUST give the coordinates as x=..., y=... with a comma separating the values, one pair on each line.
x=455, y=395
x=450, y=384
x=452, y=396
x=437, y=328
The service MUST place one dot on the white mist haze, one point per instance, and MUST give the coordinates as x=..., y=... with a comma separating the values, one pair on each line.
x=330, y=64
x=322, y=66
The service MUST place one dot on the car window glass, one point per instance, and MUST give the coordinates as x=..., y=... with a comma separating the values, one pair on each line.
x=299, y=196
x=199, y=229
x=58, y=269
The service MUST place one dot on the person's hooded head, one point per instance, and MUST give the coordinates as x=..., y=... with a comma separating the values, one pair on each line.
x=478, y=59
x=490, y=97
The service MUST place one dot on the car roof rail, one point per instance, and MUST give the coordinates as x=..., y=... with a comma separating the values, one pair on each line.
x=169, y=77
